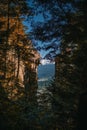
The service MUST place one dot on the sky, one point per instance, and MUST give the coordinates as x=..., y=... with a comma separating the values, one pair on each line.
x=29, y=22
x=38, y=17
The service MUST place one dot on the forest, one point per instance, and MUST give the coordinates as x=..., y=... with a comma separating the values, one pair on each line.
x=61, y=31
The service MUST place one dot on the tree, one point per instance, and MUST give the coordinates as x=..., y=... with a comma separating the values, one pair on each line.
x=13, y=33
x=67, y=21
x=16, y=50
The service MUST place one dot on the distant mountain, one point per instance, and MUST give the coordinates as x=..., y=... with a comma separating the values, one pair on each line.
x=45, y=74
x=46, y=61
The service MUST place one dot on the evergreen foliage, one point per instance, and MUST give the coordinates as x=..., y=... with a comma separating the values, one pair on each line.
x=56, y=108
x=16, y=52
x=66, y=20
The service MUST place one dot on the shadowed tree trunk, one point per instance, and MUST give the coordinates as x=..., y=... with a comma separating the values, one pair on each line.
x=31, y=85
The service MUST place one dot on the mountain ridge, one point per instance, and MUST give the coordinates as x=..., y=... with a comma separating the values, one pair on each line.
x=46, y=73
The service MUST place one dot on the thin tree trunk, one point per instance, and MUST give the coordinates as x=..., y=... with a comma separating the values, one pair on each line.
x=6, y=47
x=18, y=65
x=18, y=51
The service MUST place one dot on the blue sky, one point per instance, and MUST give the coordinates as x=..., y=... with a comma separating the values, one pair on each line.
x=29, y=22
x=42, y=51
x=38, y=17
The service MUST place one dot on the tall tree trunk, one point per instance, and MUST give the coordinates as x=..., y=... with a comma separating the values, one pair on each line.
x=18, y=49
x=7, y=35
x=30, y=85
x=18, y=65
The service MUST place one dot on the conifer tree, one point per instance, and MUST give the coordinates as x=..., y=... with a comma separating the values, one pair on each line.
x=67, y=22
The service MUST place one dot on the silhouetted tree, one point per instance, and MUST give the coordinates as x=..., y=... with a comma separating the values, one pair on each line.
x=65, y=23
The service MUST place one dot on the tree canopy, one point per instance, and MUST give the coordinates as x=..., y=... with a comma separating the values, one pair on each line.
x=61, y=19
x=63, y=32
x=65, y=29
